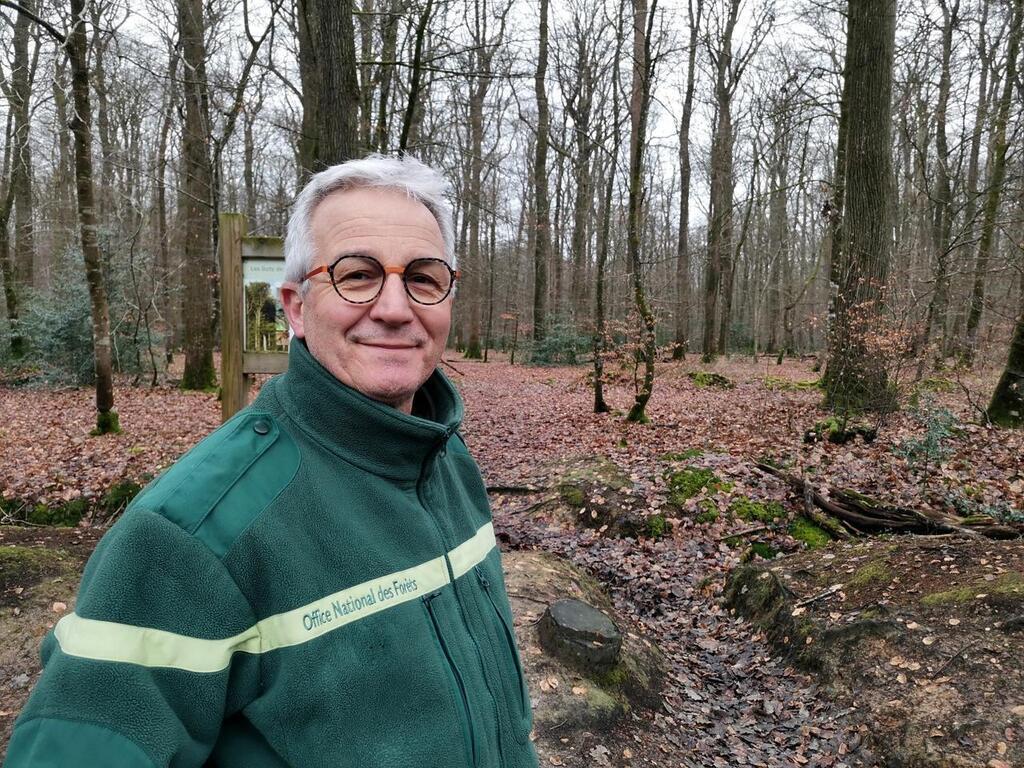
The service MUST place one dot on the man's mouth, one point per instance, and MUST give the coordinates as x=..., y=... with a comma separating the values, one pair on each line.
x=389, y=344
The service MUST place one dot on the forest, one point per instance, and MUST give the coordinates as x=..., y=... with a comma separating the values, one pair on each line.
x=742, y=283
x=721, y=178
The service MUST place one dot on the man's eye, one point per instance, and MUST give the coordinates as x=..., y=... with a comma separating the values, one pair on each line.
x=356, y=276
x=421, y=279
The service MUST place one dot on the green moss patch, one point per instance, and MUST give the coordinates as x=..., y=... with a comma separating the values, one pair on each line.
x=762, y=550
x=658, y=526
x=708, y=511
x=871, y=573
x=571, y=495
x=1007, y=587
x=20, y=565
x=68, y=514
x=810, y=534
x=688, y=482
x=760, y=511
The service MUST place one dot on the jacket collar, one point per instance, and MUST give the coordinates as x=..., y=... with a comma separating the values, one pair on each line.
x=364, y=432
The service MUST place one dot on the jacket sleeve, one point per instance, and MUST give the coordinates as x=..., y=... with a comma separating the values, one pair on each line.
x=161, y=648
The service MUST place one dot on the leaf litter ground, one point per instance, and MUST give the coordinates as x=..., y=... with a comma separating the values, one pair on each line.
x=729, y=699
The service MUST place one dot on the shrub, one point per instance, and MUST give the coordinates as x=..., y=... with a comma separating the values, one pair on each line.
x=939, y=425
x=563, y=343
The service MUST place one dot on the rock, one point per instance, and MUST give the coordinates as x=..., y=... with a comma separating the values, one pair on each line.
x=581, y=635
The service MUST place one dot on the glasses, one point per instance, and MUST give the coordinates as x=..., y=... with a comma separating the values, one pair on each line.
x=360, y=279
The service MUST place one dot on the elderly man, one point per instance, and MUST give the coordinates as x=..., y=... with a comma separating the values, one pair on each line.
x=316, y=583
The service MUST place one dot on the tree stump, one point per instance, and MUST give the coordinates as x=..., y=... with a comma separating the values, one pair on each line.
x=580, y=635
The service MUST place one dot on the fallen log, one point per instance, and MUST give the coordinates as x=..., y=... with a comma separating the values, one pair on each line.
x=862, y=514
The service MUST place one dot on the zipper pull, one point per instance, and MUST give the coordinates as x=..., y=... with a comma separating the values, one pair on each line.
x=483, y=579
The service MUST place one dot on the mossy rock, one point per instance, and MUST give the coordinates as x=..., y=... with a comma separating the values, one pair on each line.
x=709, y=379
x=598, y=495
x=593, y=702
x=756, y=511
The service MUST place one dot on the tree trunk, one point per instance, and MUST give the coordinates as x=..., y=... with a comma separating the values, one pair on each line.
x=542, y=224
x=21, y=165
x=856, y=376
x=942, y=215
x=77, y=46
x=337, y=127
x=405, y=142
x=389, y=48
x=718, y=279
x=1007, y=405
x=639, y=101
x=166, y=275
x=682, y=330
x=997, y=175
x=307, y=33
x=196, y=201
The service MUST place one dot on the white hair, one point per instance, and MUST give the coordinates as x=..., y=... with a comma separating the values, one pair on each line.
x=406, y=174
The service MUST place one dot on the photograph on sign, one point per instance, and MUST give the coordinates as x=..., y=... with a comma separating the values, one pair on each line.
x=266, y=329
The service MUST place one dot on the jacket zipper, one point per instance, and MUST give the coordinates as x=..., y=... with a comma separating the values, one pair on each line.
x=467, y=720
x=509, y=642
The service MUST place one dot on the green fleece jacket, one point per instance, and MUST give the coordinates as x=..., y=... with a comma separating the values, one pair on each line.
x=315, y=584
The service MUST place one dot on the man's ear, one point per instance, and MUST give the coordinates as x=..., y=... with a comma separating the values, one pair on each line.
x=291, y=300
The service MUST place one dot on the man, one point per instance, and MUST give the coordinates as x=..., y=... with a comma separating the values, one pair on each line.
x=317, y=582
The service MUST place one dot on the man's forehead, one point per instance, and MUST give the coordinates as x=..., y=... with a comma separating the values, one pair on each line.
x=364, y=213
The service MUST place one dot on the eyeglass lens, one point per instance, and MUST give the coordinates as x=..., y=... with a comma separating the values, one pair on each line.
x=359, y=279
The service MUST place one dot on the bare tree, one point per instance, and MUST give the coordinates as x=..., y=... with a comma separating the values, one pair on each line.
x=639, y=106
x=542, y=223
x=856, y=377
x=729, y=68
x=682, y=329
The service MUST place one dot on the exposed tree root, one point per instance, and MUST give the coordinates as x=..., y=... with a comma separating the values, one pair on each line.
x=848, y=510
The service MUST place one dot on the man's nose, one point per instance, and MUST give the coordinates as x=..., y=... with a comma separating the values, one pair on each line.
x=393, y=305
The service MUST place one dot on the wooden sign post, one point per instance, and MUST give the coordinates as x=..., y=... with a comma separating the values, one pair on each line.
x=240, y=254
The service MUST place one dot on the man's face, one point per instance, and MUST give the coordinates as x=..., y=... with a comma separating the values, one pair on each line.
x=385, y=349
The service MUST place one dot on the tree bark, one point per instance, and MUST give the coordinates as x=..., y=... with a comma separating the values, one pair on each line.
x=307, y=33
x=682, y=330
x=405, y=142
x=337, y=127
x=77, y=47
x=856, y=377
x=996, y=178
x=639, y=102
x=942, y=215
x=196, y=201
x=542, y=223
x=718, y=278
x=21, y=165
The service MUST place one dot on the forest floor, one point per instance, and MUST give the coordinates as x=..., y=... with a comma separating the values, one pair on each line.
x=731, y=697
